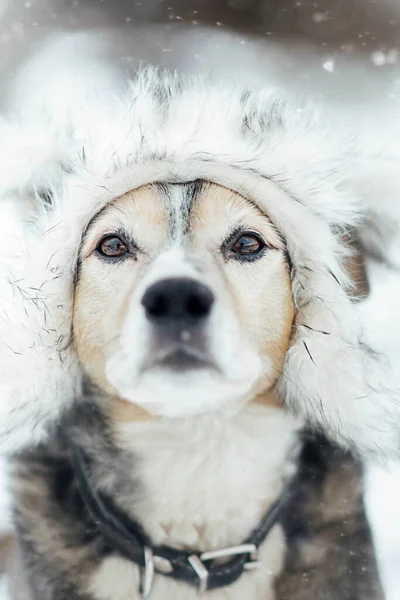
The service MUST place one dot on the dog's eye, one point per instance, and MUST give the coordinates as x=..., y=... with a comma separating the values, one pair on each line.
x=248, y=244
x=112, y=246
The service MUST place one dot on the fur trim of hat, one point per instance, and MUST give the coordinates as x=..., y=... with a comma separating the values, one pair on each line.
x=57, y=173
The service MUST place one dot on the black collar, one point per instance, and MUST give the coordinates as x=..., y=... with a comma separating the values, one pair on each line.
x=201, y=570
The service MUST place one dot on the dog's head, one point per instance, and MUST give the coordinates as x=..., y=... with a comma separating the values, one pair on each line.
x=183, y=301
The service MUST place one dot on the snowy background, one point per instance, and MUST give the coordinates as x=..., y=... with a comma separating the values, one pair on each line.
x=345, y=53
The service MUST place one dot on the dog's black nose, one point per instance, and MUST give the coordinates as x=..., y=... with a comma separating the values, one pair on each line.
x=180, y=301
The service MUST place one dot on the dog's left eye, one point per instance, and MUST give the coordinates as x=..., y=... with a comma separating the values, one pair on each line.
x=248, y=244
x=112, y=246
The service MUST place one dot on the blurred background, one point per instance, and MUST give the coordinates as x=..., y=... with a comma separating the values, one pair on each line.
x=343, y=53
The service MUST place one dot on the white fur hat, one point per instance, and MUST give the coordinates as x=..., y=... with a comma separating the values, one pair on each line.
x=58, y=170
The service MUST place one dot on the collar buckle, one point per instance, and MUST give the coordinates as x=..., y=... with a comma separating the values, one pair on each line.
x=198, y=566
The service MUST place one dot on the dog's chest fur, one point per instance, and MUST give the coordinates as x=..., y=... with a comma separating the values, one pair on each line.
x=206, y=484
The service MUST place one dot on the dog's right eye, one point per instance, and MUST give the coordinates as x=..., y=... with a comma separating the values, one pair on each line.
x=112, y=246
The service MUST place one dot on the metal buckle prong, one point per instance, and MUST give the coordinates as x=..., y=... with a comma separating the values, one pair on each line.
x=147, y=573
x=201, y=572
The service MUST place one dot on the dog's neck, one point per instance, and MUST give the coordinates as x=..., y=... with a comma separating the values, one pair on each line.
x=207, y=481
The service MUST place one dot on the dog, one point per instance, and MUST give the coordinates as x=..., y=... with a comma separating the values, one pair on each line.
x=187, y=264
x=181, y=310
x=192, y=262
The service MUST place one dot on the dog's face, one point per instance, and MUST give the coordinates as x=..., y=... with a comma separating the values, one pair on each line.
x=183, y=300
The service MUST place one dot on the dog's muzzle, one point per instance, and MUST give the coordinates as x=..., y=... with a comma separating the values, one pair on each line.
x=178, y=311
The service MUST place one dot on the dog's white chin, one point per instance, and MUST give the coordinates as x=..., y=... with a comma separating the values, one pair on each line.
x=169, y=394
